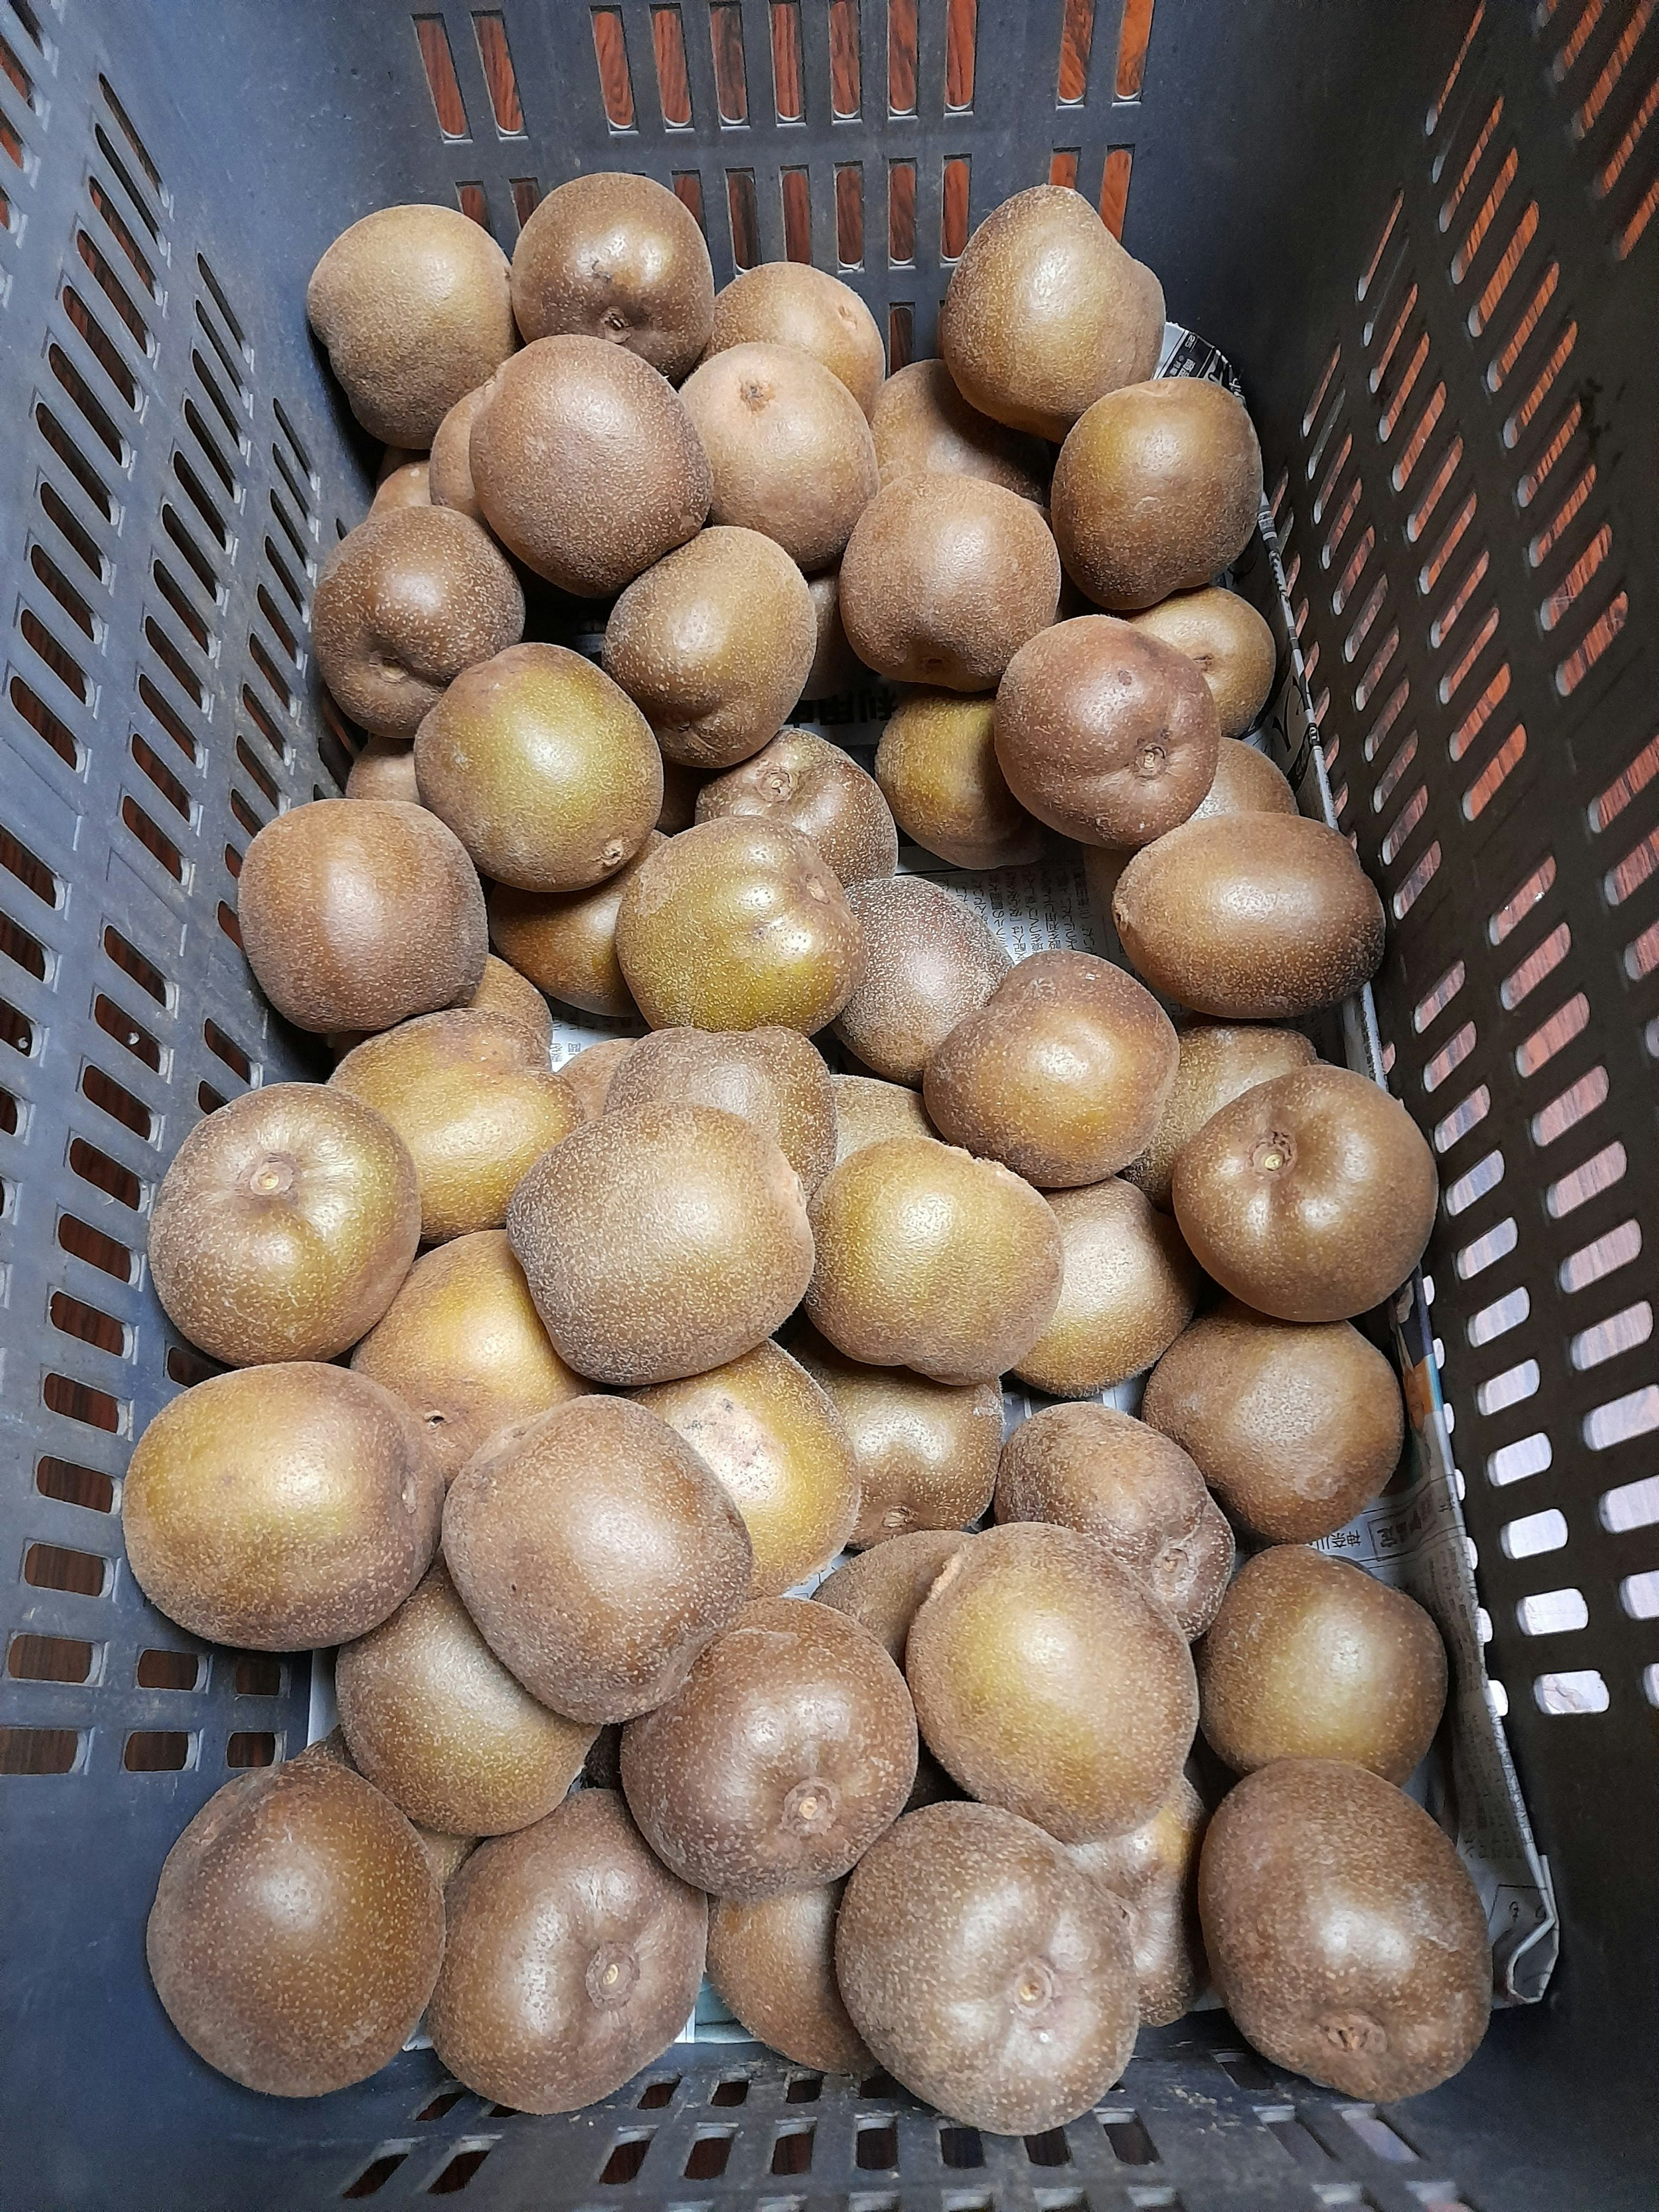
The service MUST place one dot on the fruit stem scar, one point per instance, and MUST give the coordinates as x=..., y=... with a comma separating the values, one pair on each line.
x=1270, y=1154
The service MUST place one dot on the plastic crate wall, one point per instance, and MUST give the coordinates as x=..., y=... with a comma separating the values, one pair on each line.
x=179, y=465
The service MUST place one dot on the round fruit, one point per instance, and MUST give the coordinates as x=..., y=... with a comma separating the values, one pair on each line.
x=384, y=769
x=884, y=1588
x=927, y=1452
x=449, y=464
x=790, y=303
x=408, y=486
x=1231, y=644
x=505, y=992
x=1127, y=1291
x=566, y=941
x=923, y=426
x=773, y=1965
x=1153, y=1872
x=836, y=667
x=930, y=960
x=772, y=1077
x=1217, y=1063
x=1245, y=783
x=589, y=1072
x=938, y=769
x=617, y=258
x=867, y=1109
x=804, y=781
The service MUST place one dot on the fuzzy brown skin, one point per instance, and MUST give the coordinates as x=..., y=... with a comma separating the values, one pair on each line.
x=278, y=1508
x=1157, y=489
x=463, y=1346
x=566, y=941
x=414, y=308
x=1091, y=1468
x=1062, y=1074
x=471, y=1095
x=1129, y=1291
x=714, y=644
x=1231, y=644
x=773, y=1965
x=1250, y=918
x=836, y=667
x=944, y=577
x=597, y=1554
x=1310, y=1197
x=589, y=1072
x=586, y=465
x=772, y=1077
x=408, y=486
x=739, y=924
x=449, y=464
x=405, y=601
x=938, y=769
x=788, y=446
x=766, y=1431
x=1245, y=783
x=790, y=303
x=924, y=427
x=884, y=1588
x=296, y=1931
x=661, y=1240
x=283, y=1226
x=867, y=1109
x=384, y=769
x=503, y=991
x=544, y=767
x=1295, y=1429
x=616, y=258
x=817, y=788
x=573, y=1959
x=788, y=1748
x=975, y=1961
x=931, y=960
x=1217, y=1063
x=1153, y=1871
x=930, y=1259
x=434, y=1718
x=1346, y=1937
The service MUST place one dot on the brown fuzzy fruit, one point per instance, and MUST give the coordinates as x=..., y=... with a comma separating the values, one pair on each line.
x=1157, y=489
x=790, y=303
x=836, y=667
x=976, y=1962
x=566, y=941
x=804, y=780
x=772, y=1077
x=1231, y=644
x=586, y=465
x=1310, y=1197
x=930, y=1259
x=503, y=991
x=281, y=1507
x=1245, y=783
x=589, y=1072
x=773, y=1965
x=788, y=1748
x=471, y=1095
x=938, y=769
x=884, y=1588
x=449, y=464
x=384, y=769
x=1346, y=1939
x=931, y=959
x=283, y=1226
x=616, y=258
x=924, y=427
x=661, y=1240
x=1129, y=1291
x=1153, y=1872
x=408, y=486
x=544, y=767
x=867, y=1109
x=1217, y=1063
x=296, y=1930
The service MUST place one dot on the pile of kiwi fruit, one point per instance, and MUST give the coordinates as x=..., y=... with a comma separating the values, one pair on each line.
x=636, y=1430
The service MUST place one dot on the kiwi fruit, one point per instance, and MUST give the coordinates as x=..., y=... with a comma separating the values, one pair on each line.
x=1108, y=736
x=944, y=577
x=281, y=1507
x=471, y=1095
x=836, y=667
x=680, y=786
x=1344, y=1935
x=790, y=303
x=930, y=960
x=462, y=1345
x=924, y=427
x=738, y=923
x=1048, y=1680
x=772, y=1077
x=938, y=769
x=1062, y=1074
x=566, y=941
x=296, y=1930
x=573, y=1959
x=357, y=913
x=773, y=1966
x=772, y=1435
x=544, y=767
x=789, y=451
x=1109, y=1476
x=1295, y=1429
x=619, y=259
x=589, y=1072
x=884, y=1588
x=1250, y=917
x=449, y=464
x=405, y=601
x=1033, y=2017
x=384, y=769
x=586, y=465
x=1310, y=1197
x=434, y=1718
x=1217, y=1060
x=283, y=1226
x=1157, y=488
x=1231, y=644
x=660, y=1241
x=414, y=307
x=393, y=457
x=597, y=1554
x=784, y=1754
x=503, y=991
x=1046, y=311
x=867, y=1109
x=1245, y=783
x=930, y=1259
x=1153, y=1872
x=408, y=486
x=926, y=1452
x=445, y=1855
x=1127, y=1291
x=804, y=780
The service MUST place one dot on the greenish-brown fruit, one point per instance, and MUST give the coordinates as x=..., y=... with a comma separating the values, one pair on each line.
x=1048, y=1680
x=444, y=1853
x=804, y=780
x=408, y=486
x=617, y=258
x=938, y=769
x=589, y=1072
x=772, y=1077
x=788, y=1748
x=503, y=991
x=1127, y=1291
x=597, y=1554
x=773, y=1965
x=661, y=1240
x=867, y=1109
x=297, y=1931
x=1310, y=1197
x=384, y=769
x=975, y=1959
x=1218, y=1061
x=1153, y=1872
x=930, y=959
x=566, y=941
x=1245, y=783
x=449, y=464
x=1344, y=1936
x=279, y=1508
x=836, y=667
x=923, y=426
x=790, y=303
x=884, y=1588
x=1231, y=644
